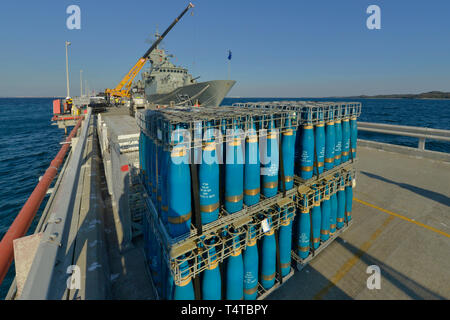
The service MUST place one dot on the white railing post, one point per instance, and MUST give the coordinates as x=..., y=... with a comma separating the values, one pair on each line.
x=407, y=131
x=421, y=144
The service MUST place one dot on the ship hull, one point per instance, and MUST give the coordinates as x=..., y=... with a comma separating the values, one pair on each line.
x=209, y=93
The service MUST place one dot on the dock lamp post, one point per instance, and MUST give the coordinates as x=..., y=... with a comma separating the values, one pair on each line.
x=67, y=69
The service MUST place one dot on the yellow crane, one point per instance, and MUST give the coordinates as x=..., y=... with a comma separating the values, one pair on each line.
x=124, y=86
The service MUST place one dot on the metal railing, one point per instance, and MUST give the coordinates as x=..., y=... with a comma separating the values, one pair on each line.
x=47, y=274
x=407, y=131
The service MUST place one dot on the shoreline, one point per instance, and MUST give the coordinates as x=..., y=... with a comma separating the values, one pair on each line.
x=287, y=98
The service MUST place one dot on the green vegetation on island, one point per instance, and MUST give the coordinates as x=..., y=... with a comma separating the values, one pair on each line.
x=425, y=95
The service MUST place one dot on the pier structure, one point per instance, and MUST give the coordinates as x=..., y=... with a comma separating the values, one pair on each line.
x=400, y=224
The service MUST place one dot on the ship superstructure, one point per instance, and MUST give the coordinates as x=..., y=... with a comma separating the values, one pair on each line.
x=166, y=83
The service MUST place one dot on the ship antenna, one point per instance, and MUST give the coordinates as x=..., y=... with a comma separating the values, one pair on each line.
x=157, y=34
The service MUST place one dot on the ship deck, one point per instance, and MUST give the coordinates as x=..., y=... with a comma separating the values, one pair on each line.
x=401, y=223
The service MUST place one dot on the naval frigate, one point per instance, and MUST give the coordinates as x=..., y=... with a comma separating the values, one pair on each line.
x=165, y=83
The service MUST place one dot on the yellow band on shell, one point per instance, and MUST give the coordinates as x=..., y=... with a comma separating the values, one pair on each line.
x=180, y=219
x=234, y=198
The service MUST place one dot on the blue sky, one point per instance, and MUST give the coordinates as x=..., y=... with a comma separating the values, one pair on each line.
x=280, y=48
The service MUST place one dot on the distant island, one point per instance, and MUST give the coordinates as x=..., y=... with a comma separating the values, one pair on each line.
x=425, y=95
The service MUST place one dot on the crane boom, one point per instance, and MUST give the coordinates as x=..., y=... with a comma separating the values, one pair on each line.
x=124, y=86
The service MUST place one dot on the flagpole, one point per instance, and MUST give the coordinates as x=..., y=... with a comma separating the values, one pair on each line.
x=67, y=70
x=229, y=63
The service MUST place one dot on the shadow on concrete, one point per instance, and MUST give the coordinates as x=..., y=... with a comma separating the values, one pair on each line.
x=304, y=285
x=407, y=285
x=423, y=192
x=307, y=283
